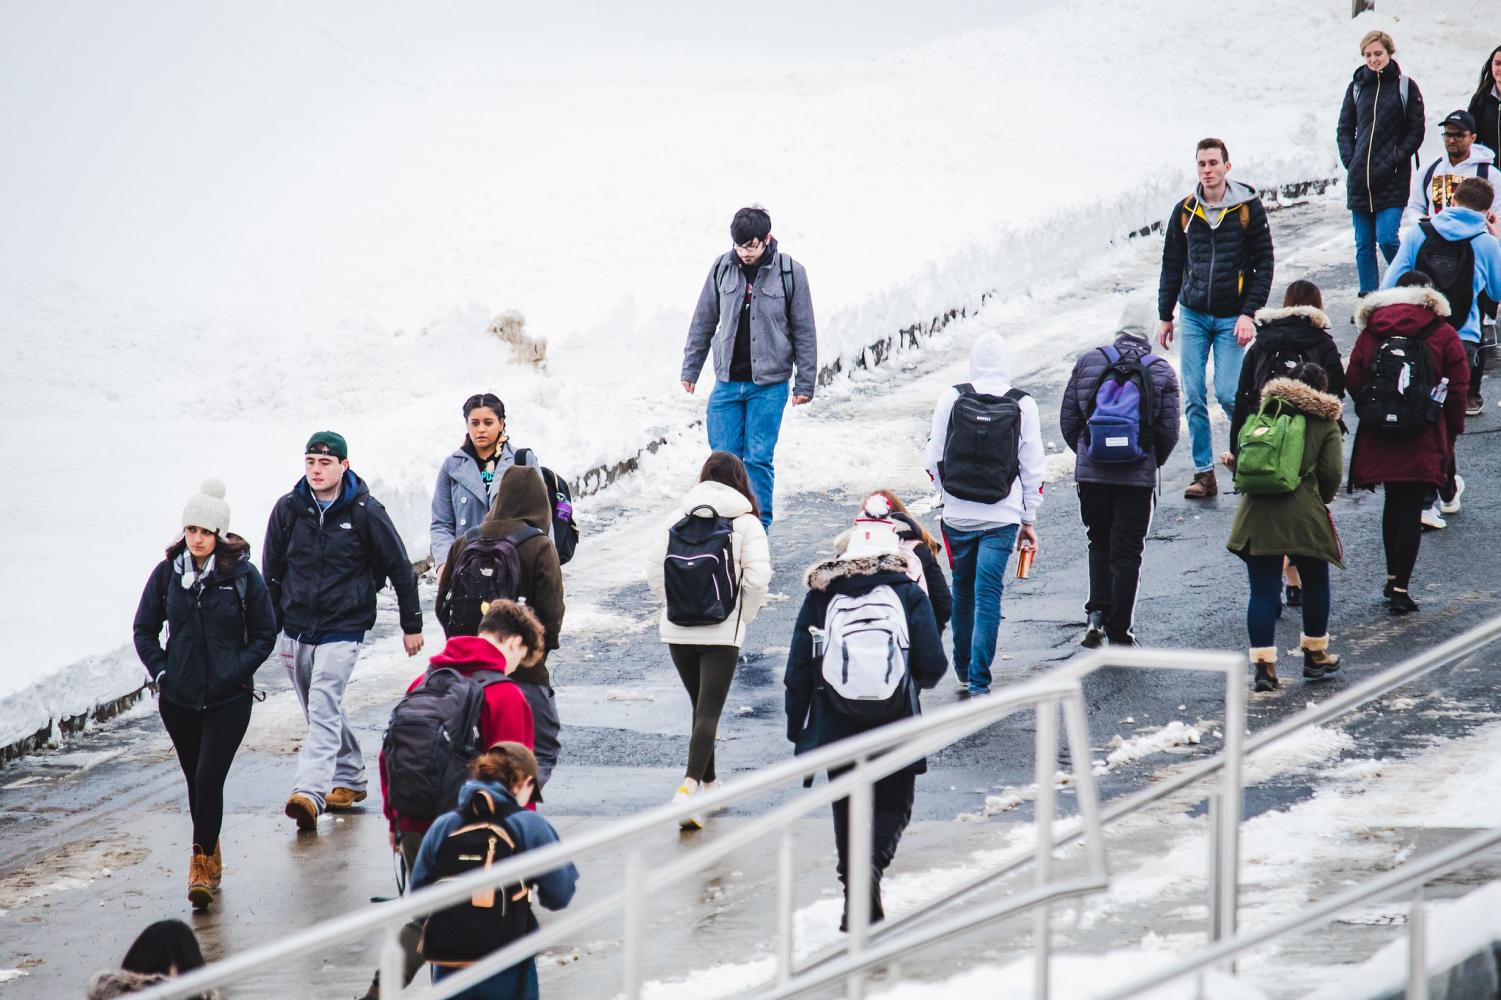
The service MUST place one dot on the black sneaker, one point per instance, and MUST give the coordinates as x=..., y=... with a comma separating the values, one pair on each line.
x=1386, y=591
x=1094, y=630
x=1294, y=596
x=1129, y=639
x=1402, y=603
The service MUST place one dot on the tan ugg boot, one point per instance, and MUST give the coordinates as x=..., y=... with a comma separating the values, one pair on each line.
x=200, y=879
x=1318, y=662
x=1264, y=659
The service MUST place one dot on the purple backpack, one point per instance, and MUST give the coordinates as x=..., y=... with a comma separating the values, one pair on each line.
x=1119, y=414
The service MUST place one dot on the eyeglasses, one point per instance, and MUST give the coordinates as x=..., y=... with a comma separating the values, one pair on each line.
x=1454, y=135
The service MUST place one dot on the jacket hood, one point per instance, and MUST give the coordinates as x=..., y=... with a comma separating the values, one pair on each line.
x=1138, y=317
x=1304, y=397
x=354, y=488
x=1455, y=223
x=990, y=360
x=499, y=792
x=114, y=983
x=1427, y=299
x=1236, y=194
x=467, y=653
x=726, y=501
x=1306, y=314
x=1479, y=153
x=826, y=574
x=522, y=497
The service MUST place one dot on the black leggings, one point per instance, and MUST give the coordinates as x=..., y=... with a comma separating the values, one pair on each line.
x=1402, y=529
x=706, y=672
x=206, y=742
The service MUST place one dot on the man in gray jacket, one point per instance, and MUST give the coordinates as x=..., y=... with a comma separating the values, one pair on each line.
x=1120, y=417
x=756, y=313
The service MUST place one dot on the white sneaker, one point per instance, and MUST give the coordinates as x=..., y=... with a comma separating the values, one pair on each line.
x=1452, y=506
x=712, y=786
x=694, y=822
x=1431, y=519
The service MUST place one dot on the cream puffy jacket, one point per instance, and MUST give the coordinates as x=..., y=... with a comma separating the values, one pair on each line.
x=752, y=563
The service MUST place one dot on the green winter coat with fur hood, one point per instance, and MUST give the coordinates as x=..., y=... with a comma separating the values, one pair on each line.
x=1298, y=523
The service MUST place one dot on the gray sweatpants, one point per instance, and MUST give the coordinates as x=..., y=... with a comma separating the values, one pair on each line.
x=330, y=756
x=545, y=728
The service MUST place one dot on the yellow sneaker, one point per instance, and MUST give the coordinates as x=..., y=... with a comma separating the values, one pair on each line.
x=694, y=822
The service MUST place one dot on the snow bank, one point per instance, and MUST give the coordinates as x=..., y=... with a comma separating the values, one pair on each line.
x=242, y=224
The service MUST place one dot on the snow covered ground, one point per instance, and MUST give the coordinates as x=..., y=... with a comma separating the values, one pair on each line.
x=234, y=225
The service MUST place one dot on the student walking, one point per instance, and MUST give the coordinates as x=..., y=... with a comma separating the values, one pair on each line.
x=220, y=629
x=1283, y=514
x=1380, y=131
x=1486, y=104
x=1217, y=264
x=920, y=547
x=1463, y=157
x=469, y=479
x=330, y=546
x=712, y=571
x=1120, y=417
x=490, y=825
x=755, y=314
x=164, y=949
x=842, y=681
x=1411, y=411
x=510, y=556
x=986, y=457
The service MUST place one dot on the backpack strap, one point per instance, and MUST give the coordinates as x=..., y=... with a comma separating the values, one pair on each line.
x=1185, y=214
x=1014, y=394
x=789, y=284
x=484, y=678
x=522, y=534
x=966, y=389
x=1404, y=84
x=1428, y=183
x=524, y=457
x=242, y=589
x=1245, y=216
x=1483, y=171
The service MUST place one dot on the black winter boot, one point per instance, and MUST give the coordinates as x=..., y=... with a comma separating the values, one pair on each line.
x=1318, y=662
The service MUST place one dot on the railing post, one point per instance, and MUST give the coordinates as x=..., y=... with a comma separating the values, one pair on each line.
x=1214, y=807
x=857, y=874
x=1076, y=728
x=1044, y=805
x=1417, y=949
x=785, y=899
x=1232, y=805
x=635, y=916
x=392, y=963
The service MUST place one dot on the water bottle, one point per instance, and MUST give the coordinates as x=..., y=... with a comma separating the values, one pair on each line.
x=1436, y=399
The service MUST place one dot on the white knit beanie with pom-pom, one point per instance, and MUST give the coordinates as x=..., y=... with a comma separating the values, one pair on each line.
x=207, y=509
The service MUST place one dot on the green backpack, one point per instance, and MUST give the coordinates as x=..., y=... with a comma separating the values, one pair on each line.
x=1271, y=449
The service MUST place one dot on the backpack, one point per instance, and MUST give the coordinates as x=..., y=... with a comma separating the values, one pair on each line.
x=1399, y=383
x=488, y=570
x=565, y=530
x=1482, y=170
x=982, y=449
x=1278, y=363
x=865, y=656
x=1269, y=455
x=699, y=574
x=1118, y=416
x=432, y=735
x=1451, y=265
x=491, y=919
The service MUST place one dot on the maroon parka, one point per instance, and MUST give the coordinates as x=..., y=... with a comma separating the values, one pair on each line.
x=1426, y=457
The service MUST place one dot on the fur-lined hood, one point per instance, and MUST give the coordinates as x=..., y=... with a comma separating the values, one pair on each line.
x=1414, y=295
x=825, y=574
x=113, y=983
x=1317, y=317
x=1304, y=397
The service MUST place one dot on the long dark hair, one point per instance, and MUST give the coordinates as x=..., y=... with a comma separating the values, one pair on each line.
x=1487, y=79
x=166, y=948
x=724, y=468
x=228, y=550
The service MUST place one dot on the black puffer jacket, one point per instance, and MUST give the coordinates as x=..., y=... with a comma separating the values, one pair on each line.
x=324, y=569
x=1217, y=260
x=1378, y=139
x=215, y=644
x=1303, y=329
x=1487, y=111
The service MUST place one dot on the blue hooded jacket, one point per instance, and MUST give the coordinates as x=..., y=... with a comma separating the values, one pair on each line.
x=1455, y=223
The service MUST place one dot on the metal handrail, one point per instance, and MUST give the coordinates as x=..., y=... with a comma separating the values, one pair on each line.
x=872, y=754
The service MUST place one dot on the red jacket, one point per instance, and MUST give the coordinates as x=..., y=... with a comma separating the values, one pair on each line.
x=506, y=716
x=1427, y=457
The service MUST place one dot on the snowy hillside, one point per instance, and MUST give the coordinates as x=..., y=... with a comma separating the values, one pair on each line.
x=231, y=225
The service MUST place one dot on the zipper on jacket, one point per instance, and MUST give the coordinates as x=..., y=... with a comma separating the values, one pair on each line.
x=1371, y=145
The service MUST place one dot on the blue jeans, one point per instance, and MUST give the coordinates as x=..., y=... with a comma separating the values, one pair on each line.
x=980, y=559
x=1265, y=574
x=1200, y=333
x=1373, y=229
x=519, y=982
x=744, y=419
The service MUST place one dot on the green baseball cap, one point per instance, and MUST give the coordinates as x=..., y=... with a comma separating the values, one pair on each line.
x=327, y=443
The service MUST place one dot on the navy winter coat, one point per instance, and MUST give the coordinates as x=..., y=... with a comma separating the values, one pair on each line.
x=324, y=567
x=1378, y=139
x=811, y=721
x=1217, y=260
x=1073, y=416
x=214, y=645
x=1295, y=328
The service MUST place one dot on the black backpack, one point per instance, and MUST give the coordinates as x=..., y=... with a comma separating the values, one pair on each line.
x=488, y=570
x=432, y=736
x=492, y=918
x=981, y=452
x=1451, y=265
x=699, y=571
x=1278, y=363
x=1399, y=361
x=565, y=530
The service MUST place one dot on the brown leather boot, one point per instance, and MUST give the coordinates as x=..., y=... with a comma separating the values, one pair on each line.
x=1203, y=487
x=200, y=879
x=216, y=867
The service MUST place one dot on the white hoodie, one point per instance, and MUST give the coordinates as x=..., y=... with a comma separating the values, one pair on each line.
x=752, y=561
x=1438, y=193
x=989, y=372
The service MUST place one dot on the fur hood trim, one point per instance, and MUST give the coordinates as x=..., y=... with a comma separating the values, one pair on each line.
x=1414, y=295
x=1315, y=316
x=1304, y=397
x=826, y=574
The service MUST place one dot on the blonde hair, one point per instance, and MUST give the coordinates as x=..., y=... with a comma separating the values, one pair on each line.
x=1378, y=36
